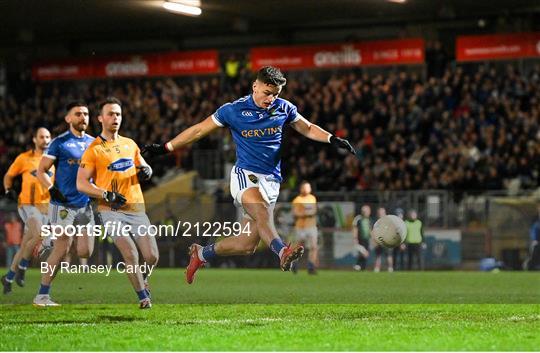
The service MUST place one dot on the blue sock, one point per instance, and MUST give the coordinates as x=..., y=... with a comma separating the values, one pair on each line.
x=142, y=294
x=209, y=252
x=310, y=265
x=44, y=289
x=276, y=245
x=10, y=275
x=23, y=265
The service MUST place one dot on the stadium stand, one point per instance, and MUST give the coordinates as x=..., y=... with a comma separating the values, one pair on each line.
x=473, y=128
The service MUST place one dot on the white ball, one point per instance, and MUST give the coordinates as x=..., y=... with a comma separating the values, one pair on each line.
x=389, y=231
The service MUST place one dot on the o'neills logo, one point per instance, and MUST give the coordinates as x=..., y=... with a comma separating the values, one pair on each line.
x=126, y=68
x=261, y=132
x=347, y=56
x=120, y=165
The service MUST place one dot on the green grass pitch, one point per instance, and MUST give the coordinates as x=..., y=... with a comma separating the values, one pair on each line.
x=252, y=310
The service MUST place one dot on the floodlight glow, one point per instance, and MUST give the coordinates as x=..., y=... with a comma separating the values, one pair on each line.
x=181, y=8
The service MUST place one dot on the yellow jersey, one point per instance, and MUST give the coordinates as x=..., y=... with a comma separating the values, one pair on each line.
x=303, y=204
x=32, y=192
x=114, y=164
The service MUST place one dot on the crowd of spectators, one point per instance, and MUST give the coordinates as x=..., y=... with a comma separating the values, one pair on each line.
x=464, y=130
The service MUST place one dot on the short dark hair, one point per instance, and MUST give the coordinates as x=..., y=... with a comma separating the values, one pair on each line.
x=271, y=76
x=109, y=100
x=75, y=103
x=43, y=127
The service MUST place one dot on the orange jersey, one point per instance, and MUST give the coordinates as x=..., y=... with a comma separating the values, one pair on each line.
x=114, y=164
x=32, y=192
x=307, y=204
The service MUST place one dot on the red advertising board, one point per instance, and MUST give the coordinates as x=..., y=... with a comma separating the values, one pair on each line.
x=498, y=46
x=165, y=64
x=385, y=52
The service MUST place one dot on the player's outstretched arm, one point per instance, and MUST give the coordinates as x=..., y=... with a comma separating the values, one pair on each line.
x=317, y=133
x=186, y=137
x=42, y=175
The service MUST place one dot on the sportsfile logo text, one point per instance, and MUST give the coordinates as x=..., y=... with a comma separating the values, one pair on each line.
x=117, y=228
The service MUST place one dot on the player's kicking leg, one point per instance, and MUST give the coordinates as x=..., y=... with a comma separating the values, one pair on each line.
x=244, y=244
x=262, y=214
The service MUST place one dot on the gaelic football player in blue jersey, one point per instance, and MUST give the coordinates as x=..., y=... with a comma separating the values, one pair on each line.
x=256, y=122
x=68, y=206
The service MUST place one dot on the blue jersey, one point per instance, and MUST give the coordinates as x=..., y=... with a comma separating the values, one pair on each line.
x=257, y=132
x=66, y=150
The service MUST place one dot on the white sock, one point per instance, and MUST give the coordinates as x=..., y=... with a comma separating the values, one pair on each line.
x=199, y=252
x=281, y=251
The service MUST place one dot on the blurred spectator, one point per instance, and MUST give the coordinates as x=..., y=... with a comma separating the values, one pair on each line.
x=436, y=59
x=414, y=241
x=398, y=253
x=232, y=70
x=14, y=231
x=381, y=251
x=361, y=228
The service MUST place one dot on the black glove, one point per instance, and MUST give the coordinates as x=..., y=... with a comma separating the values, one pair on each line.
x=154, y=149
x=145, y=172
x=12, y=194
x=115, y=199
x=341, y=143
x=56, y=195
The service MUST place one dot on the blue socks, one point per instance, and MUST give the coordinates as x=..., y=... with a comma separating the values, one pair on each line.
x=209, y=252
x=23, y=265
x=277, y=245
x=10, y=275
x=43, y=289
x=142, y=294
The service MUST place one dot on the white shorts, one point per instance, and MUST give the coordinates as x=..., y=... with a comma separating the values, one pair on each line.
x=65, y=216
x=242, y=179
x=29, y=211
x=307, y=235
x=138, y=222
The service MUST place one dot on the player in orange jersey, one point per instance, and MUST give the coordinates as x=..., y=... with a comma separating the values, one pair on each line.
x=33, y=204
x=115, y=165
x=305, y=212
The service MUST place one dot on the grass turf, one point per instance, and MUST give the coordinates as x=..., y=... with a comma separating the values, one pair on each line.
x=270, y=310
